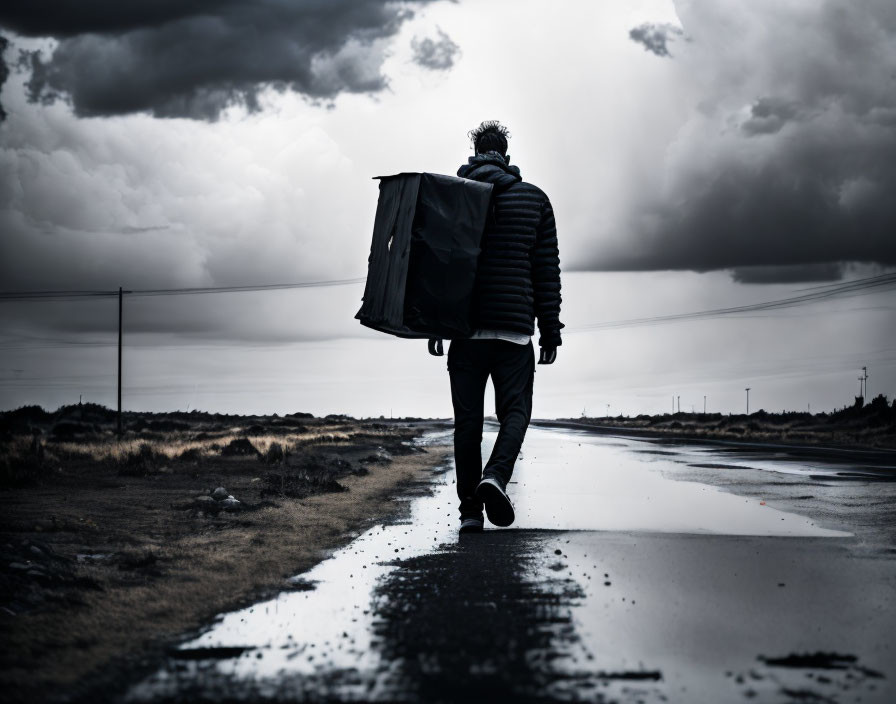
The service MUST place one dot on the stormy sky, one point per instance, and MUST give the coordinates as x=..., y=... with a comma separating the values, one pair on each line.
x=699, y=155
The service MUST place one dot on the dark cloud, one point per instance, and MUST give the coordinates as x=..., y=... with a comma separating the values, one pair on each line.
x=655, y=37
x=813, y=204
x=768, y=115
x=52, y=18
x=196, y=58
x=787, y=160
x=4, y=71
x=436, y=54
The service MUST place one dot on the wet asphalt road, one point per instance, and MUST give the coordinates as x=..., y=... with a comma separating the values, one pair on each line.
x=630, y=576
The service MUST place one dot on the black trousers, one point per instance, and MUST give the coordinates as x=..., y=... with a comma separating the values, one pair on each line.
x=512, y=369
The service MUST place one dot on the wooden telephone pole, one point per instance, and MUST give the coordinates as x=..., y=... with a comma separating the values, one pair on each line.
x=120, y=298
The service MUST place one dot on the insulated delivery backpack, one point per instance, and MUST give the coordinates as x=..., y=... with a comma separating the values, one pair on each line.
x=422, y=265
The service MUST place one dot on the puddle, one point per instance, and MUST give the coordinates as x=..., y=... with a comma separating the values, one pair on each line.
x=578, y=482
x=704, y=612
x=349, y=628
x=781, y=462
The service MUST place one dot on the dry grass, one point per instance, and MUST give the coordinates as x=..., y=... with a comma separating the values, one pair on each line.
x=46, y=449
x=108, y=448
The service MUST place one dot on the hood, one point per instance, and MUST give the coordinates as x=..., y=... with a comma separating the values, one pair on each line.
x=493, y=168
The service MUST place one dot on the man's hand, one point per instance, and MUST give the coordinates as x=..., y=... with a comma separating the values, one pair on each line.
x=548, y=355
x=435, y=347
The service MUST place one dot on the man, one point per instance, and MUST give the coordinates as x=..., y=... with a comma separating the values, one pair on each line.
x=518, y=280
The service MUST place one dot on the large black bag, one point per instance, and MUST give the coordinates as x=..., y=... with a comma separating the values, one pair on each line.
x=422, y=265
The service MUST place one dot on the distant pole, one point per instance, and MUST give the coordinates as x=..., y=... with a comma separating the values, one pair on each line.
x=865, y=381
x=608, y=410
x=679, y=403
x=704, y=405
x=748, y=400
x=119, y=359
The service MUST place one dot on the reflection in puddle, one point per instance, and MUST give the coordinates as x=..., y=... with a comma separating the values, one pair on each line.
x=571, y=480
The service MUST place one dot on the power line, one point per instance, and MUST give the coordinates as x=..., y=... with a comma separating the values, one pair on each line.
x=858, y=286
x=72, y=295
x=240, y=289
x=51, y=295
x=820, y=287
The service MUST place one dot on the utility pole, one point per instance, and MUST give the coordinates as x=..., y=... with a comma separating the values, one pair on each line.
x=748, y=400
x=865, y=381
x=704, y=405
x=679, y=404
x=608, y=410
x=120, y=297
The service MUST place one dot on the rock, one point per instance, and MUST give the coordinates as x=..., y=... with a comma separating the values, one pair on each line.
x=231, y=504
x=220, y=494
x=36, y=551
x=381, y=456
x=19, y=566
x=85, y=557
x=203, y=500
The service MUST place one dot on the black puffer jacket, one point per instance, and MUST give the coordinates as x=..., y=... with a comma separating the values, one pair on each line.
x=518, y=277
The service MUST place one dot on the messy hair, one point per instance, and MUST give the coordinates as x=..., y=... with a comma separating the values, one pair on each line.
x=490, y=136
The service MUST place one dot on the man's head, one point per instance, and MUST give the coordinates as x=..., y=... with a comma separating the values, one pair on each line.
x=490, y=136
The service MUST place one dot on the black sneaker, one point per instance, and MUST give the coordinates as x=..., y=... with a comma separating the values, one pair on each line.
x=497, y=504
x=471, y=525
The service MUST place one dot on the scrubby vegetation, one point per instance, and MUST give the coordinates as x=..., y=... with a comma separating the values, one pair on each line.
x=868, y=425
x=36, y=445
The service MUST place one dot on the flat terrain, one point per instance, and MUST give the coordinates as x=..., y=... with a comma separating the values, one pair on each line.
x=111, y=549
x=186, y=563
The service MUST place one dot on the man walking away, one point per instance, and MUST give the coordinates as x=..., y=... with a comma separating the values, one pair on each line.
x=518, y=280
